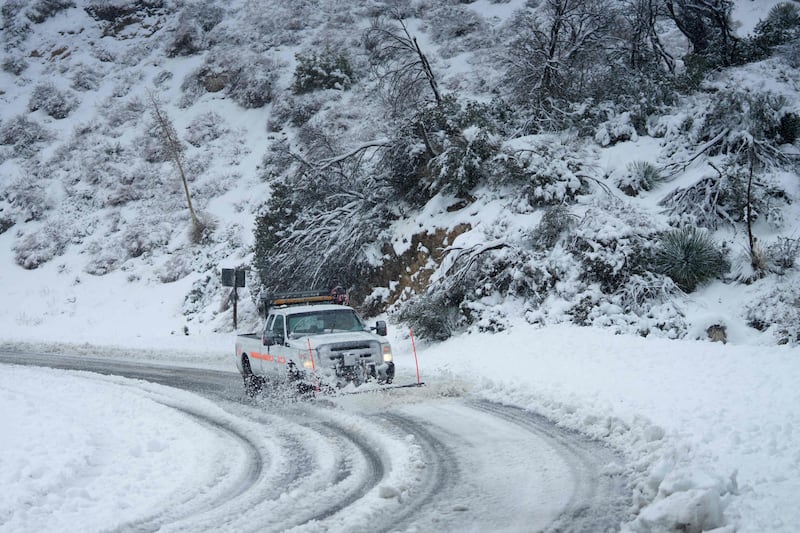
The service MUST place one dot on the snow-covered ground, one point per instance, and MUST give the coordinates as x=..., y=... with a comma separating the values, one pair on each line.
x=708, y=430
x=83, y=452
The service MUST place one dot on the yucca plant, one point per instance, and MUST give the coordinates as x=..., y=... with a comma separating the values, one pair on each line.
x=690, y=256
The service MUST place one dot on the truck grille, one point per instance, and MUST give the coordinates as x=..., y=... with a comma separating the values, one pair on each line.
x=360, y=349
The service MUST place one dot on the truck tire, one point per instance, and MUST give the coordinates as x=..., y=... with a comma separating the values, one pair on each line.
x=253, y=384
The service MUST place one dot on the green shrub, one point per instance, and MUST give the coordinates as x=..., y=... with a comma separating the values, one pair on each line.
x=689, y=256
x=555, y=221
x=641, y=176
x=325, y=71
x=788, y=130
x=433, y=316
x=781, y=26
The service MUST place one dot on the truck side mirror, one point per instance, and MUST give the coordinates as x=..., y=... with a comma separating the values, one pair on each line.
x=380, y=328
x=266, y=339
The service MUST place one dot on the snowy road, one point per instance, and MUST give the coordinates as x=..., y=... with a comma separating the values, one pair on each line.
x=405, y=460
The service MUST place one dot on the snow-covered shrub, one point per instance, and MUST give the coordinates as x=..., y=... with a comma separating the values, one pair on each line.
x=748, y=265
x=252, y=86
x=462, y=164
x=23, y=135
x=51, y=100
x=34, y=249
x=612, y=242
x=112, y=11
x=6, y=223
x=328, y=70
x=616, y=129
x=448, y=148
x=642, y=291
x=546, y=170
x=777, y=310
x=205, y=128
x=194, y=23
x=86, y=78
x=450, y=22
x=434, y=315
x=201, y=230
x=106, y=261
x=723, y=197
x=790, y=53
x=781, y=26
x=14, y=64
x=556, y=220
x=640, y=176
x=246, y=77
x=782, y=254
x=738, y=121
x=298, y=110
x=41, y=10
x=178, y=266
x=120, y=112
x=28, y=198
x=690, y=257
x=788, y=128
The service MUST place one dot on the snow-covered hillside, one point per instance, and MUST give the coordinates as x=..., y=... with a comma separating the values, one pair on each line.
x=92, y=209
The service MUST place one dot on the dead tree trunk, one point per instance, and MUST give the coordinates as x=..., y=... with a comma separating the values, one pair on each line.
x=175, y=150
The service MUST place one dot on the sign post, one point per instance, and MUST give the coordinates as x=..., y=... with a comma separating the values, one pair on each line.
x=232, y=277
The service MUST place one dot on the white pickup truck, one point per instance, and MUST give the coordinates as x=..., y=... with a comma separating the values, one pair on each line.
x=313, y=339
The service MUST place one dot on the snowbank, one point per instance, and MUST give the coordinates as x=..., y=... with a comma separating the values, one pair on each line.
x=709, y=430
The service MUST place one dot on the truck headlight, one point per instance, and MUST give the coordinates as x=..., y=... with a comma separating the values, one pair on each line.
x=387, y=353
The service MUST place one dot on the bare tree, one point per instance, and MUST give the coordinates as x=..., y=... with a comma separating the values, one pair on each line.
x=560, y=48
x=175, y=149
x=640, y=35
x=707, y=25
x=401, y=67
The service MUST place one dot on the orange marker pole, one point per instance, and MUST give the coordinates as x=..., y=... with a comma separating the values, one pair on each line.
x=313, y=366
x=414, y=346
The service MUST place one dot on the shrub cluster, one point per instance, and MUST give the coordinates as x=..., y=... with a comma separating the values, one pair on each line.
x=551, y=172
x=777, y=311
x=328, y=70
x=194, y=23
x=51, y=100
x=434, y=315
x=446, y=148
x=41, y=10
x=246, y=77
x=14, y=64
x=23, y=135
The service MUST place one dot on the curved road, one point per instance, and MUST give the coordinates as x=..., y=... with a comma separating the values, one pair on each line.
x=391, y=461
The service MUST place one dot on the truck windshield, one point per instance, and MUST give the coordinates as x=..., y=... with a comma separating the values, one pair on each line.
x=320, y=322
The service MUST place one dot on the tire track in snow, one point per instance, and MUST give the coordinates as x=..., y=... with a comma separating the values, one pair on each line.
x=600, y=501
x=205, y=499
x=440, y=471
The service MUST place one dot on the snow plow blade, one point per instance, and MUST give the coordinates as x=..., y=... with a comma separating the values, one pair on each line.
x=381, y=389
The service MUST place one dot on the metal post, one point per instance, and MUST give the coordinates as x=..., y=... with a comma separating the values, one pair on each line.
x=235, y=302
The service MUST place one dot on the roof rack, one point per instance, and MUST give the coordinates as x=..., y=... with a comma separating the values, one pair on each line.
x=336, y=296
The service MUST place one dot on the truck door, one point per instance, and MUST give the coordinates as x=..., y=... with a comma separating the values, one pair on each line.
x=264, y=366
x=276, y=358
